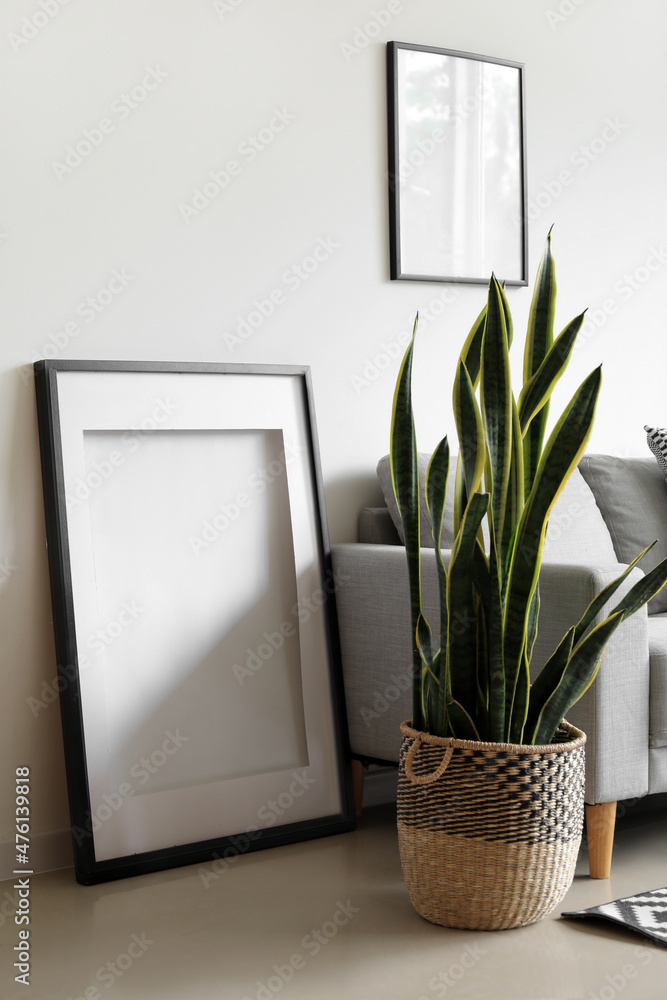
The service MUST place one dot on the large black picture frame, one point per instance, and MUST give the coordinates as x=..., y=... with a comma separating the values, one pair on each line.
x=457, y=166
x=133, y=455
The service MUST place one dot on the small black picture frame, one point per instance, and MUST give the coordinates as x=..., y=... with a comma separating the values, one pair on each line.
x=457, y=166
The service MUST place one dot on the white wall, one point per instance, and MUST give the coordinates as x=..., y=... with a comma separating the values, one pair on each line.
x=219, y=76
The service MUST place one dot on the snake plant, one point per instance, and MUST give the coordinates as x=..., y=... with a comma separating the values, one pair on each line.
x=477, y=685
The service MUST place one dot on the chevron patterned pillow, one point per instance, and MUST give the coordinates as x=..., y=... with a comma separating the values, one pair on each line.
x=657, y=442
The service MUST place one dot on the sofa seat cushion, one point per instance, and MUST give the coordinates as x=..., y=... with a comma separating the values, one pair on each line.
x=657, y=640
x=577, y=532
x=632, y=495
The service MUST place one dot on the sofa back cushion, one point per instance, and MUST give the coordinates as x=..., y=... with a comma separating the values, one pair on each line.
x=426, y=538
x=577, y=531
x=632, y=495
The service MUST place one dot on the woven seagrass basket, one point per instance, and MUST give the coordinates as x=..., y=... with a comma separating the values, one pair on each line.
x=489, y=832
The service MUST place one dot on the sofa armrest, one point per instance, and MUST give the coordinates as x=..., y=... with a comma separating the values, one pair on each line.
x=614, y=712
x=374, y=621
x=373, y=609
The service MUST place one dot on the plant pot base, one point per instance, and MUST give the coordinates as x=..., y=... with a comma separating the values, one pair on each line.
x=489, y=833
x=479, y=885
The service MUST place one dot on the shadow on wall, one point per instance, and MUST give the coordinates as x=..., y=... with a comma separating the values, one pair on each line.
x=344, y=499
x=25, y=609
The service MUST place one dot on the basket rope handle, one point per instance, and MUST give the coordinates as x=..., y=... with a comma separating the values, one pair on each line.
x=425, y=779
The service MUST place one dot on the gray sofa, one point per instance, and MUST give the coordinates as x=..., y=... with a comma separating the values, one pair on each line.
x=609, y=511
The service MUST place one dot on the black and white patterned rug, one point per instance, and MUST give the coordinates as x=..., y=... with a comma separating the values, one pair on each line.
x=646, y=913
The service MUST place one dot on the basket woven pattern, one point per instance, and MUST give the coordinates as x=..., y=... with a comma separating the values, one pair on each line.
x=489, y=833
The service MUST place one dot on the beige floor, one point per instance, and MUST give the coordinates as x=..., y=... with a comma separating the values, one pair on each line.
x=251, y=931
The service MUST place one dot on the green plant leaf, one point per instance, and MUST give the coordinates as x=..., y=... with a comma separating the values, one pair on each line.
x=539, y=337
x=509, y=325
x=462, y=601
x=577, y=677
x=539, y=388
x=598, y=603
x=520, y=705
x=429, y=681
x=496, y=407
x=482, y=668
x=643, y=590
x=533, y=621
x=405, y=480
x=436, y=489
x=434, y=704
x=551, y=675
x=471, y=355
x=496, y=652
x=517, y=714
x=470, y=429
x=539, y=340
x=436, y=494
x=561, y=455
x=425, y=643
x=462, y=726
x=515, y=498
x=546, y=682
x=460, y=493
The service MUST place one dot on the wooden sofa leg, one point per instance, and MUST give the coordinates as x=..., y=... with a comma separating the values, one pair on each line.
x=600, y=822
x=358, y=771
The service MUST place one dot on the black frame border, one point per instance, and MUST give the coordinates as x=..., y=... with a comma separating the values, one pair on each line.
x=89, y=871
x=393, y=160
